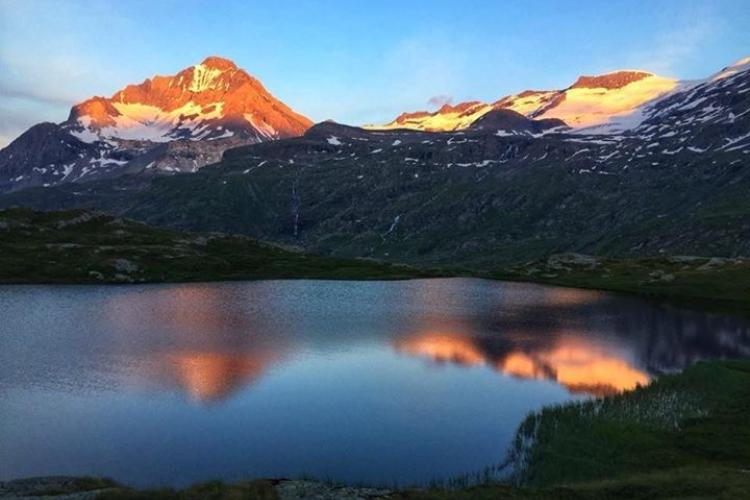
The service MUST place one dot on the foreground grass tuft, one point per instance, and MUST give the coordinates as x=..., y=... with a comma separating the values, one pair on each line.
x=684, y=436
x=696, y=417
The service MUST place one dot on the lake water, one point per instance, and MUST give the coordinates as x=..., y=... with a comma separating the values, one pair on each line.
x=376, y=382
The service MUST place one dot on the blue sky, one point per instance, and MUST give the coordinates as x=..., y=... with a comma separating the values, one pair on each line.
x=355, y=61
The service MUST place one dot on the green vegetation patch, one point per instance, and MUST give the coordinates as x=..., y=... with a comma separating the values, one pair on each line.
x=79, y=246
x=695, y=418
x=683, y=436
x=719, y=283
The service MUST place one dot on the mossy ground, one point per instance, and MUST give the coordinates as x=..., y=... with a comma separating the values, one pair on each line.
x=702, y=282
x=78, y=246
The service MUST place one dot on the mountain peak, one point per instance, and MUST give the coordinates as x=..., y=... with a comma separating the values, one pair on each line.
x=217, y=62
x=745, y=61
x=210, y=100
x=609, y=81
x=739, y=66
x=591, y=101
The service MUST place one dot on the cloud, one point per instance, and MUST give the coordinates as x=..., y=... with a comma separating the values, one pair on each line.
x=670, y=49
x=47, y=61
x=33, y=83
x=414, y=67
x=399, y=79
x=18, y=115
x=55, y=53
x=438, y=101
x=424, y=63
x=28, y=100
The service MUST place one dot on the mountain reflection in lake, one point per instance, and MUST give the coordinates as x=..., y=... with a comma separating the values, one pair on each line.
x=379, y=382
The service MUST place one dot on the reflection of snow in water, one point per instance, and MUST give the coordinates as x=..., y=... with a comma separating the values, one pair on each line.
x=334, y=379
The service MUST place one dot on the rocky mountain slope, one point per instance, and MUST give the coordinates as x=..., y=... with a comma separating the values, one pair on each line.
x=505, y=189
x=165, y=124
x=602, y=104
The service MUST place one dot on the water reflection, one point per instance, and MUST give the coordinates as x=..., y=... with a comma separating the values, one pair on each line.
x=442, y=347
x=210, y=343
x=587, y=341
x=572, y=361
x=209, y=377
x=214, y=341
x=580, y=368
x=173, y=384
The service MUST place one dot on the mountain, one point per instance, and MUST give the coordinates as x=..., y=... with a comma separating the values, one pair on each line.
x=597, y=104
x=508, y=122
x=506, y=189
x=165, y=124
x=211, y=100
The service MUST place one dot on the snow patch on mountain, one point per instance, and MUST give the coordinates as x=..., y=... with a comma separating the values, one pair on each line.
x=175, y=123
x=618, y=108
x=606, y=103
x=740, y=66
x=205, y=78
x=145, y=122
x=263, y=128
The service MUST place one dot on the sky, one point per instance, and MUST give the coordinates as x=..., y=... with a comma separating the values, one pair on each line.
x=353, y=61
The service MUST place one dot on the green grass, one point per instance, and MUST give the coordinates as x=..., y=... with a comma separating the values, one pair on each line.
x=684, y=436
x=721, y=284
x=694, y=418
x=78, y=246
x=682, y=483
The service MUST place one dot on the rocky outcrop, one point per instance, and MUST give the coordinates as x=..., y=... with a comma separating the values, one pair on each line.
x=615, y=80
x=505, y=121
x=86, y=488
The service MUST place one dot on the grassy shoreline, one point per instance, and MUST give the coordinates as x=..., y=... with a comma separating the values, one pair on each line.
x=685, y=435
x=715, y=284
x=680, y=420
x=84, y=247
